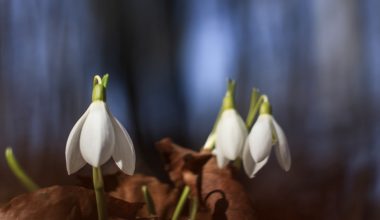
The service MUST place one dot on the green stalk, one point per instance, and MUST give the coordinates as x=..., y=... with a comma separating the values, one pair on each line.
x=228, y=100
x=18, y=171
x=96, y=80
x=231, y=86
x=194, y=208
x=254, y=107
x=148, y=200
x=181, y=203
x=99, y=193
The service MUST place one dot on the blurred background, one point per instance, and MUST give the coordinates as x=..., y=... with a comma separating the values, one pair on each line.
x=319, y=62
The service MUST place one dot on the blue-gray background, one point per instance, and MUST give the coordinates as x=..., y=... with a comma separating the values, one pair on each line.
x=319, y=62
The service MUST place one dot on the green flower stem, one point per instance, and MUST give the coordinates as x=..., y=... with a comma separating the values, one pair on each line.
x=194, y=208
x=231, y=86
x=255, y=96
x=99, y=193
x=99, y=88
x=97, y=80
x=228, y=103
x=228, y=100
x=255, y=105
x=181, y=203
x=266, y=107
x=18, y=171
x=148, y=200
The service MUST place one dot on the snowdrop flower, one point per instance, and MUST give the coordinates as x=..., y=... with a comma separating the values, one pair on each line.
x=250, y=166
x=265, y=133
x=98, y=135
x=230, y=134
x=231, y=131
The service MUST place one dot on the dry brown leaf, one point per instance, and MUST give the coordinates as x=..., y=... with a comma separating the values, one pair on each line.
x=238, y=202
x=164, y=197
x=66, y=203
x=226, y=197
x=173, y=157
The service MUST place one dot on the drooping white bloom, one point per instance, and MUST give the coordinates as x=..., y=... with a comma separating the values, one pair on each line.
x=96, y=137
x=231, y=133
x=250, y=166
x=265, y=133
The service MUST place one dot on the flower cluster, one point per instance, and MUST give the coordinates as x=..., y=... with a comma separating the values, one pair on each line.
x=233, y=142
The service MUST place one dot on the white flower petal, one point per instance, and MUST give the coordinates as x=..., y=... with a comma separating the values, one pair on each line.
x=124, y=153
x=281, y=148
x=250, y=166
x=231, y=134
x=74, y=159
x=260, y=138
x=97, y=137
x=248, y=162
x=220, y=159
x=210, y=142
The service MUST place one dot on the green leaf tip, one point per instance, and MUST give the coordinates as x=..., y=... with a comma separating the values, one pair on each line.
x=16, y=169
x=148, y=200
x=105, y=80
x=8, y=152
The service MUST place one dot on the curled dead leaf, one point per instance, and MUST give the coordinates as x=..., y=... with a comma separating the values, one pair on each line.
x=199, y=170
